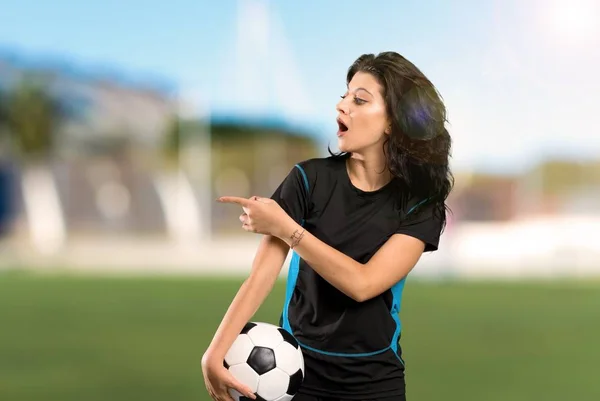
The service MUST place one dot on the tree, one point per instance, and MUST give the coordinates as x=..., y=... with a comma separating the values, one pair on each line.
x=32, y=116
x=3, y=115
x=180, y=134
x=172, y=141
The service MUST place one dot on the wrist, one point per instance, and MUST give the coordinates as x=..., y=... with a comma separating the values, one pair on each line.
x=213, y=353
x=292, y=234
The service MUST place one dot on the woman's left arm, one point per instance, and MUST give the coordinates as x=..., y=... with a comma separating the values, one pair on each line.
x=361, y=282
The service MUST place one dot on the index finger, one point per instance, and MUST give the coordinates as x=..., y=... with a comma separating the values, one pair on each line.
x=242, y=389
x=234, y=199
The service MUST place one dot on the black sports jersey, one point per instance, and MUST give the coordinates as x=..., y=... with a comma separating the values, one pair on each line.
x=351, y=348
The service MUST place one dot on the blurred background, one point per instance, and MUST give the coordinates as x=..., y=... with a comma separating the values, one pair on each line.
x=121, y=123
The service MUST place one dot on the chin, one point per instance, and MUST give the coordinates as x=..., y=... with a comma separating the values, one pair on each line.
x=343, y=146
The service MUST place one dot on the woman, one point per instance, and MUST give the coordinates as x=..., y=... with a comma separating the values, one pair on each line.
x=358, y=222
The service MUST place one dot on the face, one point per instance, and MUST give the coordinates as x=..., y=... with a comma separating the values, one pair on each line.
x=362, y=118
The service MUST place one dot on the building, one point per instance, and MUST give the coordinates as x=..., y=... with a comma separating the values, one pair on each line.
x=109, y=175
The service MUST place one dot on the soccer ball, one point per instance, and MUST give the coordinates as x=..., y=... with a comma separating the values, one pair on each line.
x=268, y=359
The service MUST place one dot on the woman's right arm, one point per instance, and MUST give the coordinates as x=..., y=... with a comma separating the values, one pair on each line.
x=266, y=267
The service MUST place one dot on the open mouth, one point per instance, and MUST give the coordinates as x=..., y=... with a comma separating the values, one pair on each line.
x=342, y=126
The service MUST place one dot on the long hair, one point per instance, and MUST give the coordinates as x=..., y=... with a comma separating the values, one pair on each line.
x=418, y=147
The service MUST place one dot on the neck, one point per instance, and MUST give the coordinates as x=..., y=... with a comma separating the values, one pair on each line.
x=368, y=172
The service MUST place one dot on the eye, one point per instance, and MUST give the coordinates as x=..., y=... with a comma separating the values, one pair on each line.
x=359, y=101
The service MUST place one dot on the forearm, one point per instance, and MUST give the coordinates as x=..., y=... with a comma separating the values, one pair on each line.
x=265, y=269
x=340, y=270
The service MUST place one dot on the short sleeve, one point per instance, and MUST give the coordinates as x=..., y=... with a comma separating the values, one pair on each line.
x=293, y=194
x=423, y=223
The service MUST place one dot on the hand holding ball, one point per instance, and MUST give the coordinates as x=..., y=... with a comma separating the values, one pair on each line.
x=267, y=359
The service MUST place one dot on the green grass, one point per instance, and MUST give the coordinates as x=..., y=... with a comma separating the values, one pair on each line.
x=75, y=339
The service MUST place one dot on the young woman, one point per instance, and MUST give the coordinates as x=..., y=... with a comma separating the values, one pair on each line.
x=357, y=222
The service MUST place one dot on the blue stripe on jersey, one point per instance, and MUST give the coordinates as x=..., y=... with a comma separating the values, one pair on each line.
x=412, y=209
x=356, y=355
x=304, y=177
x=397, y=290
x=293, y=271
x=289, y=290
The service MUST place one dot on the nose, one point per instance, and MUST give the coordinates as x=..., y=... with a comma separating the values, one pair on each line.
x=342, y=107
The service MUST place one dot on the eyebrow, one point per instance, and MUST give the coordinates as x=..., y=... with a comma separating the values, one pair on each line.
x=363, y=89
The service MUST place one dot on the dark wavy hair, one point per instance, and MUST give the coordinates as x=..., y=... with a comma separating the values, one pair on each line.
x=418, y=147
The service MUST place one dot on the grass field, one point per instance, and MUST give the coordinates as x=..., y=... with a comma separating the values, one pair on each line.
x=76, y=339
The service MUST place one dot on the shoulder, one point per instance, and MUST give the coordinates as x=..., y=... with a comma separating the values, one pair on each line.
x=320, y=170
x=423, y=219
x=417, y=205
x=321, y=165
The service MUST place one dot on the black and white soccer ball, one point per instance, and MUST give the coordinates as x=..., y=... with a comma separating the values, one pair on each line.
x=269, y=360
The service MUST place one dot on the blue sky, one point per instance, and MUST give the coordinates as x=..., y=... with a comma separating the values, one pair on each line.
x=519, y=77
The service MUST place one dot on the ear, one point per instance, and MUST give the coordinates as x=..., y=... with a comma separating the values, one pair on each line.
x=388, y=129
